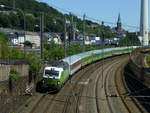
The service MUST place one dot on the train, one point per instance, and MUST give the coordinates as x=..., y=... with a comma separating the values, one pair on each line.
x=56, y=74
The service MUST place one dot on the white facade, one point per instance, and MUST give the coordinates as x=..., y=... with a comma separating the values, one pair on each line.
x=97, y=38
x=21, y=40
x=35, y=39
x=18, y=41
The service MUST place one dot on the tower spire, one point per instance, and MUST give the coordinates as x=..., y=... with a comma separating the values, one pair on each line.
x=119, y=18
x=119, y=24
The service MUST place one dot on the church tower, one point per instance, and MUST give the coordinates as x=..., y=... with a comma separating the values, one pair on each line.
x=119, y=24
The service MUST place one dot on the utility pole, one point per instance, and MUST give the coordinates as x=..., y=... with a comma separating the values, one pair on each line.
x=64, y=36
x=84, y=32
x=14, y=4
x=41, y=34
x=72, y=27
x=102, y=37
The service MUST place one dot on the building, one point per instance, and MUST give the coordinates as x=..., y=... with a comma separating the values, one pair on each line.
x=94, y=40
x=121, y=33
x=93, y=26
x=48, y=36
x=16, y=37
x=119, y=24
x=34, y=38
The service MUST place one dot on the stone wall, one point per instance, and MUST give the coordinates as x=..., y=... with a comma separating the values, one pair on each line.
x=12, y=91
x=23, y=71
x=10, y=100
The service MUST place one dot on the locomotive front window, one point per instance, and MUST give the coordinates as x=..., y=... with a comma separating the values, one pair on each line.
x=52, y=73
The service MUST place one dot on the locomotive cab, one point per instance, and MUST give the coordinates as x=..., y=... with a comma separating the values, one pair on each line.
x=52, y=72
x=55, y=75
x=51, y=78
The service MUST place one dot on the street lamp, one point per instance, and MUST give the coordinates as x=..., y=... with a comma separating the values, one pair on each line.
x=4, y=6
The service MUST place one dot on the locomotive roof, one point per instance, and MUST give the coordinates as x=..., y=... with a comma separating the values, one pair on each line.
x=59, y=64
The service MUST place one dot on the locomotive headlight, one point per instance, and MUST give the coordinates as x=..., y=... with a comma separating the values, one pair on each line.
x=58, y=82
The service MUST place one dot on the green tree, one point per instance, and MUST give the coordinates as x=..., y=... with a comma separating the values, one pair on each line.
x=28, y=43
x=34, y=7
x=3, y=39
x=46, y=54
x=58, y=53
x=14, y=19
x=130, y=40
x=4, y=21
x=30, y=23
x=13, y=74
x=14, y=53
x=34, y=64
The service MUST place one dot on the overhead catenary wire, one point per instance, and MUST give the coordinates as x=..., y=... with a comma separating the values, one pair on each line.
x=91, y=18
x=110, y=23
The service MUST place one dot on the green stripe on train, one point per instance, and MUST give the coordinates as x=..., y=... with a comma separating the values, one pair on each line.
x=89, y=58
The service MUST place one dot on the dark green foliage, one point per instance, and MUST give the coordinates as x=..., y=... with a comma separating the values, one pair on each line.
x=28, y=44
x=54, y=51
x=5, y=51
x=34, y=8
x=89, y=47
x=30, y=23
x=14, y=53
x=130, y=40
x=4, y=21
x=34, y=63
x=30, y=7
x=74, y=49
x=14, y=20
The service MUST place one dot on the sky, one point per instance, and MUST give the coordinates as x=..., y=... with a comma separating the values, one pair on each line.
x=106, y=10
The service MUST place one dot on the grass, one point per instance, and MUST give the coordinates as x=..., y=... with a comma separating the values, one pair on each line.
x=148, y=59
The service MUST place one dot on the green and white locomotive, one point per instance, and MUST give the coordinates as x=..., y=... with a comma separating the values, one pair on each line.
x=55, y=75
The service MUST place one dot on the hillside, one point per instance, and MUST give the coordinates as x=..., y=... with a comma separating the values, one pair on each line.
x=32, y=9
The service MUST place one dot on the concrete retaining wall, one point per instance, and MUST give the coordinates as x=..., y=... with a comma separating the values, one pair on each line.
x=23, y=71
x=136, y=66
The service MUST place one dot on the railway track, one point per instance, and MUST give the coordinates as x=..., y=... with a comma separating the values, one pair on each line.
x=86, y=92
x=115, y=91
x=74, y=97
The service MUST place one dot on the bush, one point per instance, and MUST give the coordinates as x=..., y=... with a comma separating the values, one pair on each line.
x=5, y=50
x=13, y=74
x=28, y=43
x=34, y=63
x=148, y=59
